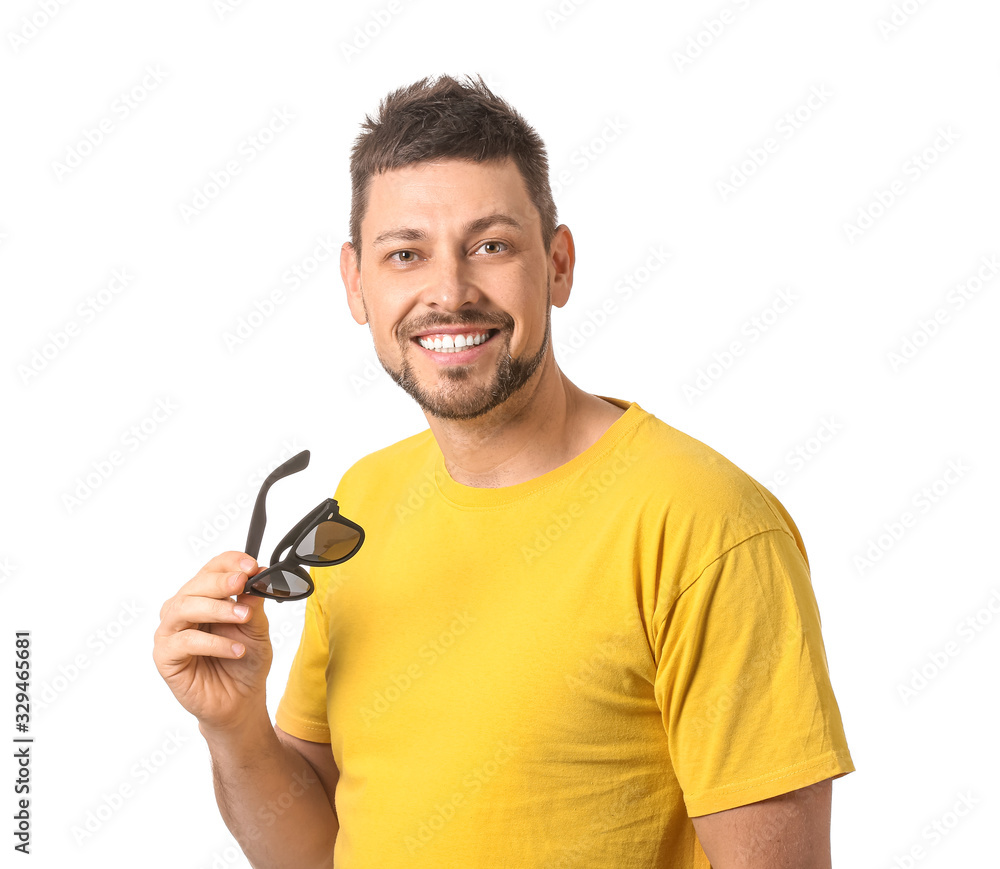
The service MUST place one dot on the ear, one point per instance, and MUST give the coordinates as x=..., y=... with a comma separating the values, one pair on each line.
x=351, y=274
x=562, y=259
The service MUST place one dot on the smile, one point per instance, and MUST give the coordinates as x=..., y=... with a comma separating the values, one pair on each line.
x=453, y=343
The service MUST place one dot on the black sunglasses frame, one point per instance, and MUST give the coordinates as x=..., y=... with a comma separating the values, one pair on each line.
x=326, y=511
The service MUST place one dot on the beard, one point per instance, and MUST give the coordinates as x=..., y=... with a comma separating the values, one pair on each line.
x=456, y=396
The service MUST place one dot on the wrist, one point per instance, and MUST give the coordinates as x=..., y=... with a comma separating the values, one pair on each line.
x=250, y=734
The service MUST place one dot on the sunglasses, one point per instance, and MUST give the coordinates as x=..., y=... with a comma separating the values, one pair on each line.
x=320, y=539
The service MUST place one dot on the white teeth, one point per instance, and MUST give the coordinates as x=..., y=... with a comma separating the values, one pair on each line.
x=453, y=343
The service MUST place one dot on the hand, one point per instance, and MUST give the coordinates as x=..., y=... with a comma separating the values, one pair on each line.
x=215, y=654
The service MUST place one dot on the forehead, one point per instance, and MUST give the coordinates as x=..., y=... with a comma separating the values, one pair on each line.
x=441, y=192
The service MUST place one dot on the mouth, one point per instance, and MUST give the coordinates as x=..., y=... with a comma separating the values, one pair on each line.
x=454, y=341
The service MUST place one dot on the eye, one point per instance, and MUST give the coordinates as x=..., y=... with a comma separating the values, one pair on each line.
x=403, y=256
x=492, y=247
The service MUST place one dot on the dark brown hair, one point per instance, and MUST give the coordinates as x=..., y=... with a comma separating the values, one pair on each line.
x=435, y=119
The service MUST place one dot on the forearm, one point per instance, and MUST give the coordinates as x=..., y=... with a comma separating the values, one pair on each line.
x=271, y=799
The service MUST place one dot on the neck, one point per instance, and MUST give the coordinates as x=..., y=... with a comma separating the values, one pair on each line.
x=543, y=426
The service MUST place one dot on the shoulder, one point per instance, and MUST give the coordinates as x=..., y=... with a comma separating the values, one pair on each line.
x=691, y=484
x=680, y=464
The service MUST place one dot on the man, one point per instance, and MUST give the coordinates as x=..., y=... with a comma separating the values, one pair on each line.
x=575, y=636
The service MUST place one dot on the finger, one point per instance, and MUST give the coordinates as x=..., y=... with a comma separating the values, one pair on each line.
x=222, y=566
x=189, y=610
x=256, y=625
x=218, y=584
x=178, y=649
x=207, y=585
x=231, y=561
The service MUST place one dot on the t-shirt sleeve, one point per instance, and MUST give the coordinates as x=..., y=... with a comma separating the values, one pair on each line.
x=742, y=680
x=302, y=708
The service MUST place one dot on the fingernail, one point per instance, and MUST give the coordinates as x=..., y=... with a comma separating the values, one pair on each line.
x=238, y=649
x=236, y=581
x=247, y=563
x=241, y=610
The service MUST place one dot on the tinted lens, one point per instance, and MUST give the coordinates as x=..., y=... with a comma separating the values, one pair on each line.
x=279, y=583
x=329, y=541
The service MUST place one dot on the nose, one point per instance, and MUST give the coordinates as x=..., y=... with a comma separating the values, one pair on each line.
x=450, y=283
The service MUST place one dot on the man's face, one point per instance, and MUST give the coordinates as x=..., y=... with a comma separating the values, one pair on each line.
x=455, y=283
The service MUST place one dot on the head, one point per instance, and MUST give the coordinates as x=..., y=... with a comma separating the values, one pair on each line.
x=448, y=119
x=455, y=257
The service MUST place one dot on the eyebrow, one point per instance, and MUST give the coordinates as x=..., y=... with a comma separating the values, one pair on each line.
x=405, y=233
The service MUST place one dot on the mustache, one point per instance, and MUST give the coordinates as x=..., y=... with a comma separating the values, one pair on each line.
x=469, y=317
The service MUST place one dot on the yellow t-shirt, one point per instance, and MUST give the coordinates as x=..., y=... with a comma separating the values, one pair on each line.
x=561, y=673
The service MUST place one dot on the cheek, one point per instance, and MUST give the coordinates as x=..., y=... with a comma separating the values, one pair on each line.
x=387, y=338
x=528, y=334
x=536, y=313
x=384, y=319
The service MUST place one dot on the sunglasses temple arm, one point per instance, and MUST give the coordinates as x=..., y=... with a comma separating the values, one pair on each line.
x=300, y=526
x=259, y=519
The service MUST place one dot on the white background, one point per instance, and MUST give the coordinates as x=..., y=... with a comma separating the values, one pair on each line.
x=643, y=134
